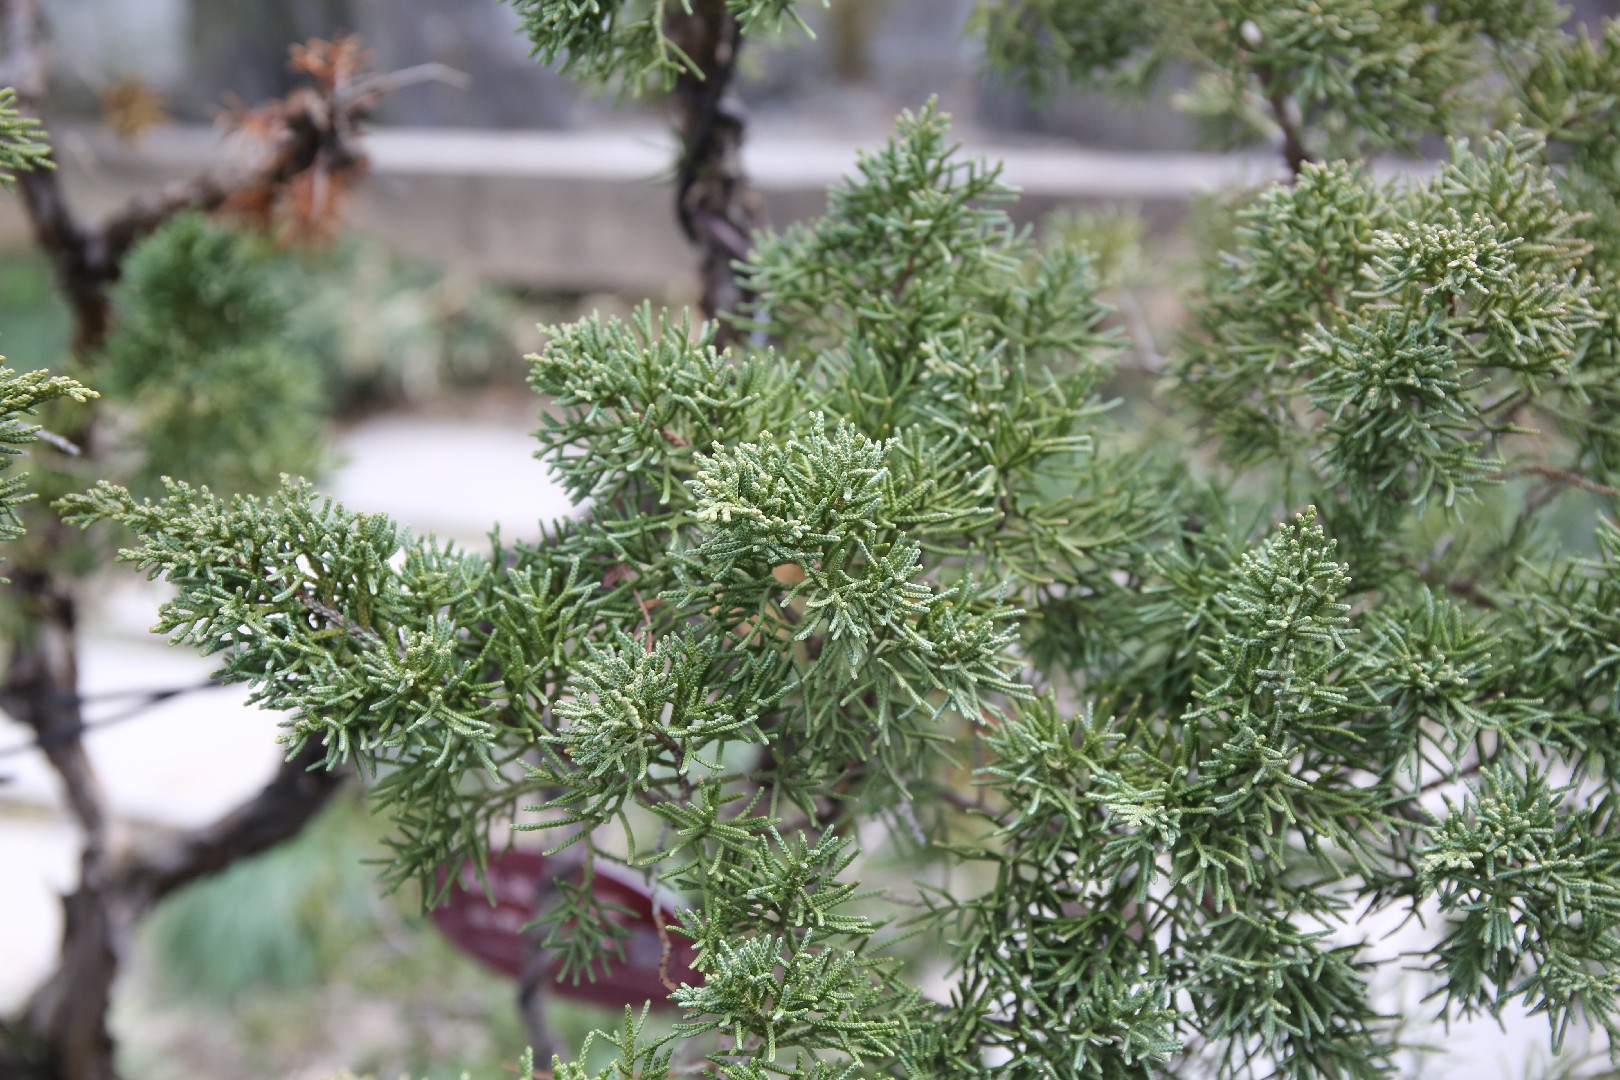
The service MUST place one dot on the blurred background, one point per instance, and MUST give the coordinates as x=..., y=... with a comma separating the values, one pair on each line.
x=520, y=177
x=512, y=200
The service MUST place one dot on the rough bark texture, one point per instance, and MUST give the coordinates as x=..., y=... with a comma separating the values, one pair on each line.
x=712, y=199
x=63, y=1034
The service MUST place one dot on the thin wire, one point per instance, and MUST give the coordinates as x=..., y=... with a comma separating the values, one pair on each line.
x=149, y=700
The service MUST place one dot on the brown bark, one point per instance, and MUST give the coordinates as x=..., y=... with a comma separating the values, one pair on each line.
x=851, y=28
x=712, y=199
x=64, y=1033
x=1283, y=112
x=41, y=692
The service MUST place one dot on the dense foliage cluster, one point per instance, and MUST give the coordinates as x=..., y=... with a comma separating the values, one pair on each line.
x=884, y=582
x=201, y=358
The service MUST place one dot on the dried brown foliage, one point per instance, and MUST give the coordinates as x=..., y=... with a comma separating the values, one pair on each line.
x=300, y=190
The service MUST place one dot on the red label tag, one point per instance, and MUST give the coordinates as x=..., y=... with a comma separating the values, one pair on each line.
x=493, y=933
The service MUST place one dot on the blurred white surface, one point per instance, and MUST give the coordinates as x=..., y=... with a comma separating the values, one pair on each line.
x=41, y=858
x=453, y=477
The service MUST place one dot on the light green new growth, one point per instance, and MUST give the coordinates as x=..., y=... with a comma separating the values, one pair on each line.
x=1417, y=323
x=19, y=396
x=835, y=589
x=22, y=141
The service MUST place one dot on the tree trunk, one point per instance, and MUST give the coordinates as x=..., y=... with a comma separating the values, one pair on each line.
x=67, y=1017
x=712, y=199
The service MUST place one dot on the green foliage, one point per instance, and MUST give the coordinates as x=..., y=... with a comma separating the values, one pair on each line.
x=1572, y=92
x=634, y=1058
x=315, y=610
x=22, y=141
x=200, y=358
x=19, y=396
x=1537, y=917
x=383, y=329
x=1037, y=41
x=1179, y=838
x=1355, y=75
x=378, y=328
x=829, y=588
x=603, y=40
x=1417, y=323
x=645, y=399
x=787, y=600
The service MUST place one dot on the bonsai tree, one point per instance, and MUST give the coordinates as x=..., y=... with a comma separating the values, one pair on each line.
x=1158, y=722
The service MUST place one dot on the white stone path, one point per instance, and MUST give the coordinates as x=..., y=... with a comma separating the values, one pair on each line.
x=187, y=761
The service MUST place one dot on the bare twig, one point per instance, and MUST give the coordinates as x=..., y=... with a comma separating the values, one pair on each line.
x=1467, y=773
x=144, y=214
x=147, y=700
x=389, y=82
x=1469, y=590
x=59, y=442
x=300, y=789
x=646, y=616
x=1510, y=403
x=1283, y=115
x=668, y=949
x=1147, y=351
x=1568, y=478
x=363, y=634
x=977, y=807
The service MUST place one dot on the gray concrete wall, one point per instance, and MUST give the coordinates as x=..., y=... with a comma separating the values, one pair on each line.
x=592, y=210
x=867, y=59
x=508, y=88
